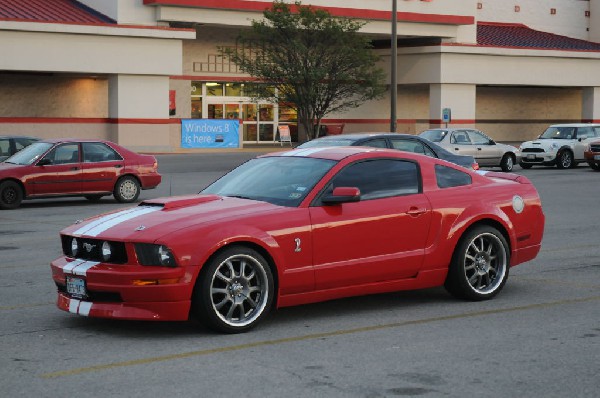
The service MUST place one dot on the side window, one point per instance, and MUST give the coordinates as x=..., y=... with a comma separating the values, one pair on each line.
x=99, y=152
x=64, y=154
x=375, y=143
x=380, y=178
x=585, y=132
x=4, y=147
x=478, y=138
x=21, y=143
x=448, y=177
x=460, y=137
x=410, y=145
x=596, y=131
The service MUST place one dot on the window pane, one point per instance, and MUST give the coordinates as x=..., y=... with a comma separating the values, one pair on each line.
x=98, y=152
x=196, y=108
x=380, y=178
x=214, y=89
x=448, y=177
x=378, y=143
x=234, y=89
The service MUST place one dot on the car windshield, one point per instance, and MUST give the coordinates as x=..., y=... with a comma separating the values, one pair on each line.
x=434, y=135
x=329, y=142
x=559, y=133
x=30, y=154
x=280, y=180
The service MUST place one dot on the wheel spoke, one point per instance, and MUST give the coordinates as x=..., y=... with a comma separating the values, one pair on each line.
x=221, y=303
x=222, y=277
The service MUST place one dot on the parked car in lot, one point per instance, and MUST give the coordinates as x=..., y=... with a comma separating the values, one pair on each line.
x=486, y=151
x=298, y=227
x=562, y=145
x=9, y=145
x=90, y=168
x=402, y=142
x=592, y=155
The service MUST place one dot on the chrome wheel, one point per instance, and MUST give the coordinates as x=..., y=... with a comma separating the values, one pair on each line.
x=480, y=264
x=485, y=263
x=239, y=290
x=507, y=163
x=235, y=290
x=565, y=160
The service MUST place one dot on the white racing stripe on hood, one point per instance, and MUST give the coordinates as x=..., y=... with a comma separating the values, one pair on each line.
x=97, y=227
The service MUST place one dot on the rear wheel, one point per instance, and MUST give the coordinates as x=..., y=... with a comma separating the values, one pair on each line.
x=11, y=195
x=127, y=189
x=479, y=267
x=564, y=159
x=234, y=291
x=507, y=163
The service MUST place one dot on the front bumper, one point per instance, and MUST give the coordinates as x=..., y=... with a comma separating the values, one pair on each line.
x=540, y=158
x=114, y=291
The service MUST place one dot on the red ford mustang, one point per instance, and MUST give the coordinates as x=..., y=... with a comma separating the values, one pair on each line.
x=87, y=168
x=300, y=227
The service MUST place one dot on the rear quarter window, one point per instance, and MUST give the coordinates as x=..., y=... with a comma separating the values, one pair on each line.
x=448, y=177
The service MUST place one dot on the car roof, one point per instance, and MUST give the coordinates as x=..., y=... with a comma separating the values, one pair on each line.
x=20, y=136
x=341, y=152
x=358, y=136
x=57, y=140
x=575, y=125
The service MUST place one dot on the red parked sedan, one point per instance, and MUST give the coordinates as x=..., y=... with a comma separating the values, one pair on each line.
x=298, y=227
x=90, y=168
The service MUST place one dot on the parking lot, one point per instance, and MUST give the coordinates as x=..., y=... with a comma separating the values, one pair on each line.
x=539, y=338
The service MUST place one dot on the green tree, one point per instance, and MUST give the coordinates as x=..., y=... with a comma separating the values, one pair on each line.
x=316, y=63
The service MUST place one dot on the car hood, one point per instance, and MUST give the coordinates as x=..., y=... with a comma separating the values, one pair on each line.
x=6, y=168
x=153, y=219
x=546, y=143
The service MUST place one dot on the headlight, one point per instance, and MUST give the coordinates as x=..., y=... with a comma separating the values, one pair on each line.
x=74, y=247
x=106, y=251
x=151, y=254
x=555, y=146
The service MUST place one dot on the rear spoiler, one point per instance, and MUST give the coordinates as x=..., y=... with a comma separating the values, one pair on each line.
x=505, y=176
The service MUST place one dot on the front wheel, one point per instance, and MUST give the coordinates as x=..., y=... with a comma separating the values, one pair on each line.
x=479, y=266
x=564, y=159
x=235, y=290
x=11, y=195
x=595, y=166
x=507, y=163
x=127, y=189
x=525, y=165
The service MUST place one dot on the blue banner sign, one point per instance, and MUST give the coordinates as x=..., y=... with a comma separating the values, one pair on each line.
x=210, y=133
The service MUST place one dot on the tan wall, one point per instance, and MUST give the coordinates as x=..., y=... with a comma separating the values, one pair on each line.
x=100, y=131
x=53, y=96
x=522, y=113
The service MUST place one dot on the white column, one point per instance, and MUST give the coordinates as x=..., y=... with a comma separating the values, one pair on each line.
x=590, y=109
x=460, y=98
x=139, y=110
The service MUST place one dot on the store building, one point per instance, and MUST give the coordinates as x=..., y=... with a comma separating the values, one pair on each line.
x=133, y=71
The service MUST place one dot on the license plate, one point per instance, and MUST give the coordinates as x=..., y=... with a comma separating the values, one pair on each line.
x=596, y=157
x=530, y=156
x=76, y=286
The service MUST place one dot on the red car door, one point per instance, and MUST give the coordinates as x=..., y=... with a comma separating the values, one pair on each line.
x=101, y=167
x=379, y=238
x=58, y=172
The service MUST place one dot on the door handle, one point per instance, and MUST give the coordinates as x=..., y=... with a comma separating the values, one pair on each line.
x=74, y=168
x=415, y=211
x=479, y=149
x=118, y=166
x=456, y=149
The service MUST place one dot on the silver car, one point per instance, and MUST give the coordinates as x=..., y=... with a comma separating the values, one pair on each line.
x=464, y=141
x=562, y=145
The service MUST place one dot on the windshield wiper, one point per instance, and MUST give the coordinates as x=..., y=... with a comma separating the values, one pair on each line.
x=239, y=197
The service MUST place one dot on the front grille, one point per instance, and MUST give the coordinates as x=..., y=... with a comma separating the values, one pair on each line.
x=595, y=147
x=91, y=249
x=96, y=297
x=534, y=150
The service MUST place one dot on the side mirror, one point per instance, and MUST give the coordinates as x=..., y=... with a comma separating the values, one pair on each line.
x=342, y=195
x=44, y=162
x=492, y=142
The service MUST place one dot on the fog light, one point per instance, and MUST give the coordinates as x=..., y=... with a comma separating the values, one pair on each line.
x=74, y=247
x=106, y=251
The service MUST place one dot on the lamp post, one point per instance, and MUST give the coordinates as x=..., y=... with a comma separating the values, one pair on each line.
x=393, y=82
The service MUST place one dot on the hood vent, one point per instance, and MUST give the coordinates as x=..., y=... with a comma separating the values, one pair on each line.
x=177, y=202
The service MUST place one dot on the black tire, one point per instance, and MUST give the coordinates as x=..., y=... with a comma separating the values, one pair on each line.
x=595, y=166
x=525, y=165
x=93, y=198
x=564, y=159
x=508, y=162
x=127, y=189
x=480, y=265
x=234, y=291
x=11, y=195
